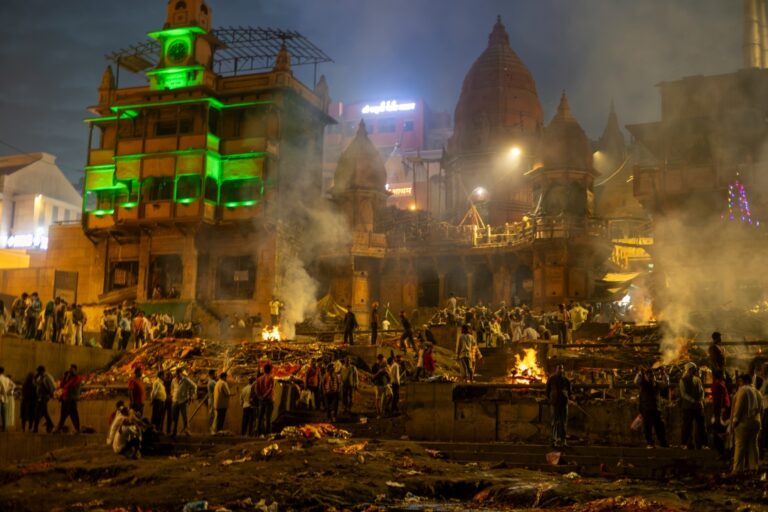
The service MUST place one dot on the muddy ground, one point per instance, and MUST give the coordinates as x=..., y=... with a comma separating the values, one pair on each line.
x=237, y=475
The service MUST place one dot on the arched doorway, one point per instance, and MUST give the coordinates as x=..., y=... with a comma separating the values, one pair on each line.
x=428, y=291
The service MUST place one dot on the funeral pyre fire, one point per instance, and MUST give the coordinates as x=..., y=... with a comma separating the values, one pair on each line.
x=271, y=334
x=527, y=369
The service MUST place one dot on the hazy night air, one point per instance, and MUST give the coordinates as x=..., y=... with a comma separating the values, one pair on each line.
x=595, y=50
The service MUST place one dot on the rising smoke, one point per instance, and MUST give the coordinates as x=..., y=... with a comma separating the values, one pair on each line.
x=319, y=230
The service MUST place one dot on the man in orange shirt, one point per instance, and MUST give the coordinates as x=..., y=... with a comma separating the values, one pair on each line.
x=265, y=388
x=136, y=392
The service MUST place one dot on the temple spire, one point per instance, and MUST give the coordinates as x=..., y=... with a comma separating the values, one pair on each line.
x=283, y=60
x=499, y=34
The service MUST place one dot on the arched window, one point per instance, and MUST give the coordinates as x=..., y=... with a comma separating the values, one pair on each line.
x=204, y=9
x=181, y=5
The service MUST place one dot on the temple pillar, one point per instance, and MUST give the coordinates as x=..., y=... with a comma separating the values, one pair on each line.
x=189, y=269
x=145, y=246
x=361, y=298
x=502, y=285
x=441, y=289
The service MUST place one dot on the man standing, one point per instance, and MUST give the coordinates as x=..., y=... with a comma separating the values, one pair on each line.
x=331, y=389
x=70, y=394
x=211, y=387
x=48, y=321
x=374, y=323
x=33, y=315
x=78, y=321
x=58, y=319
x=747, y=409
x=716, y=353
x=108, y=328
x=246, y=428
x=349, y=383
x=168, y=409
x=350, y=324
x=380, y=379
x=136, y=392
x=692, y=402
x=451, y=307
x=6, y=398
x=559, y=393
x=407, y=332
x=157, y=398
x=124, y=324
x=394, y=377
x=221, y=396
x=274, y=311
x=650, y=387
x=265, y=389
x=45, y=386
x=183, y=390
x=312, y=382
x=464, y=347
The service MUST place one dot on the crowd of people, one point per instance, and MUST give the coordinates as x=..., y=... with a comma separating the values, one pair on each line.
x=737, y=423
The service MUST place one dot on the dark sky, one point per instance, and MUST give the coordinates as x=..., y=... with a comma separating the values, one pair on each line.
x=51, y=52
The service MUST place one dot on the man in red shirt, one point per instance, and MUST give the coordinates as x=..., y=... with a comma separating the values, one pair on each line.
x=136, y=392
x=265, y=388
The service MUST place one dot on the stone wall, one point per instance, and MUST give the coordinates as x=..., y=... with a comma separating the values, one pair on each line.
x=19, y=356
x=478, y=413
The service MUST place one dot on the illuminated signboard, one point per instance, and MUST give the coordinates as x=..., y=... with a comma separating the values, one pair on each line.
x=27, y=241
x=389, y=106
x=401, y=191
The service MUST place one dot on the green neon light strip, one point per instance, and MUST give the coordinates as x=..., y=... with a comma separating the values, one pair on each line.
x=234, y=204
x=174, y=32
x=100, y=167
x=187, y=200
x=233, y=156
x=127, y=113
x=174, y=70
x=102, y=119
x=211, y=101
x=129, y=205
x=101, y=213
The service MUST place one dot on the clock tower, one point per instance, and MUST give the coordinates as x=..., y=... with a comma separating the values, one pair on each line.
x=186, y=47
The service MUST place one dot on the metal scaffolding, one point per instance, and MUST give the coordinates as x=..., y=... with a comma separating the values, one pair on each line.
x=239, y=50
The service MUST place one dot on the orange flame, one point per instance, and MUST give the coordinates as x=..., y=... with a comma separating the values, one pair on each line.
x=526, y=369
x=272, y=334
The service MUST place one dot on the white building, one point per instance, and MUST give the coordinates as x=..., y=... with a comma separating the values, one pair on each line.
x=34, y=193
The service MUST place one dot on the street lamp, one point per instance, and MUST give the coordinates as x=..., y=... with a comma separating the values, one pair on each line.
x=515, y=152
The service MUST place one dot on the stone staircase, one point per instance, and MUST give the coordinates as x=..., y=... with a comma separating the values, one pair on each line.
x=609, y=461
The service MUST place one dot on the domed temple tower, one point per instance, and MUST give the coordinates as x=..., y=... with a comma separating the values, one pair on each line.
x=498, y=125
x=360, y=195
x=564, y=250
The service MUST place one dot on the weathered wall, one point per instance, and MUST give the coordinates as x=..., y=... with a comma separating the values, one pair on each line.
x=19, y=357
x=435, y=415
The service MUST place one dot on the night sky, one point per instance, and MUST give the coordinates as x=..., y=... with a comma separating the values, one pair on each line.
x=52, y=53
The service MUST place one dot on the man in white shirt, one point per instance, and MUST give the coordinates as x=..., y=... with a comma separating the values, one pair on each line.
x=157, y=398
x=247, y=404
x=394, y=378
x=182, y=390
x=6, y=400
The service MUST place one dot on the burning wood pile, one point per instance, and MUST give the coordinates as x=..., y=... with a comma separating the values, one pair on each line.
x=526, y=369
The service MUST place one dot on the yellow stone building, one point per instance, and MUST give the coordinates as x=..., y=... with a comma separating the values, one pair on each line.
x=191, y=178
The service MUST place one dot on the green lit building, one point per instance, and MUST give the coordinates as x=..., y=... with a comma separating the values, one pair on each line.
x=187, y=175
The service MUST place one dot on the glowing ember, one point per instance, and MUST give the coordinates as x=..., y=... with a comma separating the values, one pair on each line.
x=272, y=334
x=526, y=369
